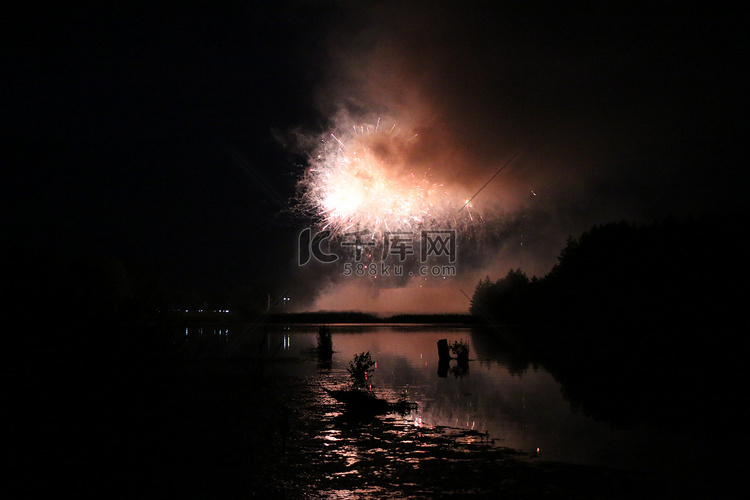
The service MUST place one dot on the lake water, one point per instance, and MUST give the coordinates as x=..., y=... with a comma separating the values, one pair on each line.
x=491, y=404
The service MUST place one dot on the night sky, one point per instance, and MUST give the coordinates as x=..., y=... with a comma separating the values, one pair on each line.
x=168, y=136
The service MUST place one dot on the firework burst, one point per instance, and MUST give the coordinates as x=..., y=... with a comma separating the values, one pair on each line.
x=374, y=178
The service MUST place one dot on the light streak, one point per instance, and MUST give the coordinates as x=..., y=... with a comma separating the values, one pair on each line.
x=490, y=180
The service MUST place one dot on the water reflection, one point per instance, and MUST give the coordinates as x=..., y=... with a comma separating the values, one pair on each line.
x=498, y=400
x=387, y=456
x=324, y=348
x=453, y=358
x=456, y=369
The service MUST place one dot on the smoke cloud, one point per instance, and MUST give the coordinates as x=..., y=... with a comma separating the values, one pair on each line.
x=597, y=109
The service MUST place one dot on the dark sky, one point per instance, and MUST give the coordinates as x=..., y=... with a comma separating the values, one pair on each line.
x=144, y=132
x=158, y=133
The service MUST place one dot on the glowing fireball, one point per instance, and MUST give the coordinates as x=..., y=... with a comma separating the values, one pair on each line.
x=368, y=179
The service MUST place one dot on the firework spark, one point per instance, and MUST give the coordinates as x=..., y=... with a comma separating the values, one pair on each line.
x=369, y=178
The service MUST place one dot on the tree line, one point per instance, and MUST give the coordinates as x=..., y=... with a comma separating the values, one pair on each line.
x=636, y=322
x=684, y=272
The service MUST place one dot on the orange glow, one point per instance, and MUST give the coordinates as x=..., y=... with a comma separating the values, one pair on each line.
x=367, y=179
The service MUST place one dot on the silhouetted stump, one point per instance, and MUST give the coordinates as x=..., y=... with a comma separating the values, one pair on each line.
x=444, y=352
x=325, y=347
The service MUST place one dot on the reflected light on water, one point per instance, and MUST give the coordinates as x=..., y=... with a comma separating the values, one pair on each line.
x=487, y=404
x=517, y=411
